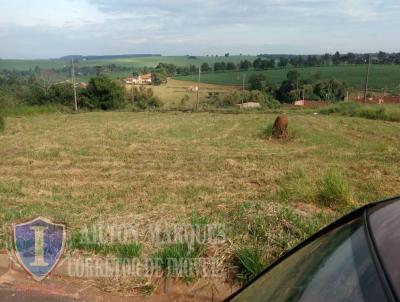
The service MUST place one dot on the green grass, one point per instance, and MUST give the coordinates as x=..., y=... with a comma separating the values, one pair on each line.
x=26, y=110
x=122, y=250
x=334, y=190
x=381, y=76
x=374, y=112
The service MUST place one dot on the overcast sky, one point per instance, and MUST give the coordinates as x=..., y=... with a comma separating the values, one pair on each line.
x=53, y=28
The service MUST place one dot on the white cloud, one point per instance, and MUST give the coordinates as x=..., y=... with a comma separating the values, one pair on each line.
x=58, y=27
x=58, y=14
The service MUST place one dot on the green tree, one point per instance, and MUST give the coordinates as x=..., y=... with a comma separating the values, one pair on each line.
x=231, y=66
x=103, y=93
x=245, y=65
x=293, y=76
x=257, y=81
x=283, y=62
x=336, y=58
x=205, y=67
x=158, y=78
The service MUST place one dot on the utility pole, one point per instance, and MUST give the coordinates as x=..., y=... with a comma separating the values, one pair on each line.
x=198, y=90
x=132, y=96
x=74, y=85
x=243, y=77
x=367, y=78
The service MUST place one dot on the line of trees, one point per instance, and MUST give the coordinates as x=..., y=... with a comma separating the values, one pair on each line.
x=262, y=62
x=293, y=88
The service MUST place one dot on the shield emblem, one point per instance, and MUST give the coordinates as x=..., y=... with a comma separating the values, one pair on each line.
x=39, y=245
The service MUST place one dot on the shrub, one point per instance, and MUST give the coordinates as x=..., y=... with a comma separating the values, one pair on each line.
x=230, y=100
x=248, y=263
x=263, y=98
x=144, y=98
x=333, y=190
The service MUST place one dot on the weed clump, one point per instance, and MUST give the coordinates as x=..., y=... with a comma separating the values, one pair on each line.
x=333, y=190
x=1, y=123
x=248, y=263
x=176, y=259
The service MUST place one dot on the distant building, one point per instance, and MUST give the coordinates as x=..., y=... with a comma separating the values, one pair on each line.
x=139, y=80
x=299, y=103
x=193, y=89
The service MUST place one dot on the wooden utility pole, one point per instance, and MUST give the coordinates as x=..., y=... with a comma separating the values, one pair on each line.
x=198, y=90
x=132, y=95
x=367, y=78
x=243, y=77
x=74, y=85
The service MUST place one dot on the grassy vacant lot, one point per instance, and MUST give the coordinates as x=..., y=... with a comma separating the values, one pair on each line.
x=144, y=168
x=137, y=62
x=382, y=76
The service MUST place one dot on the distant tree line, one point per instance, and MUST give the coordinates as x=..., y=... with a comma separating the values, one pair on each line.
x=294, y=88
x=262, y=62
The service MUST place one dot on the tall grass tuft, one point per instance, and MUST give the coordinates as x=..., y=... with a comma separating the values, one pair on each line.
x=333, y=190
x=175, y=259
x=248, y=263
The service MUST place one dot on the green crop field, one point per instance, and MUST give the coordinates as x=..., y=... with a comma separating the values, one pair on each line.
x=381, y=76
x=137, y=62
